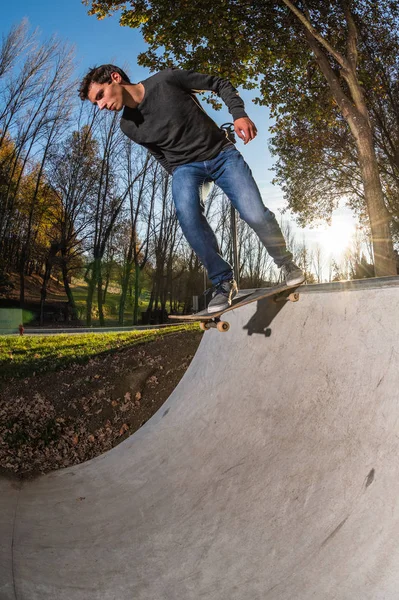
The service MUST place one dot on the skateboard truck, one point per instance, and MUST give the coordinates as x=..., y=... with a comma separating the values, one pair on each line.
x=216, y=323
x=281, y=297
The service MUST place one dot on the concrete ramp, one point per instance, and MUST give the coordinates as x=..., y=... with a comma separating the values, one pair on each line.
x=271, y=473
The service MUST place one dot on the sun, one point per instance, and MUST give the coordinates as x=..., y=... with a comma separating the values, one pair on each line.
x=337, y=237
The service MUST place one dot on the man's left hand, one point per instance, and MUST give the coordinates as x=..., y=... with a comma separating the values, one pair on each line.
x=245, y=129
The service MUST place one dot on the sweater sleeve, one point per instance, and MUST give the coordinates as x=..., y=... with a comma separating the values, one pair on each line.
x=196, y=82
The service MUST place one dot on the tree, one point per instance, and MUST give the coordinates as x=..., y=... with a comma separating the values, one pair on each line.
x=13, y=45
x=134, y=251
x=318, y=263
x=33, y=115
x=317, y=164
x=165, y=237
x=73, y=170
x=248, y=40
x=111, y=193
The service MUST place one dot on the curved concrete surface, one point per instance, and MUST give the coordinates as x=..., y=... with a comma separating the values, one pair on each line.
x=272, y=472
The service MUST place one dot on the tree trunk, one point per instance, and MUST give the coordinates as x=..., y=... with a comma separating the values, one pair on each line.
x=107, y=280
x=22, y=281
x=100, y=298
x=122, y=300
x=384, y=258
x=68, y=291
x=43, y=291
x=150, y=304
x=89, y=301
x=137, y=291
x=47, y=272
x=90, y=291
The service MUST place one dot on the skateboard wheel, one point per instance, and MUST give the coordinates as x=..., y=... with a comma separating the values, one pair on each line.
x=223, y=326
x=294, y=297
x=204, y=326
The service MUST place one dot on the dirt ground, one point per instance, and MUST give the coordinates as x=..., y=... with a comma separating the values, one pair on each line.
x=65, y=418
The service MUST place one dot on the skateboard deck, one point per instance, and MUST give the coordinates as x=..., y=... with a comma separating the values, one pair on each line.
x=208, y=320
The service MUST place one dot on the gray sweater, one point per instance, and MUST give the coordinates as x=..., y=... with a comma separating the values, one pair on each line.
x=171, y=123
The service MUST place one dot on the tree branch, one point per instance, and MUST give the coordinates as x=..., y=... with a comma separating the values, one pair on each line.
x=316, y=35
x=339, y=95
x=352, y=54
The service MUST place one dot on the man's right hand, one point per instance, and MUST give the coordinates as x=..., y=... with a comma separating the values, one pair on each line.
x=245, y=129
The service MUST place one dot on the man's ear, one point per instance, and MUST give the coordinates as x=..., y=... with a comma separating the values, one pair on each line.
x=116, y=77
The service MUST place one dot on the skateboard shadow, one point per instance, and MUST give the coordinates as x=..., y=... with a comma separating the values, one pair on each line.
x=266, y=310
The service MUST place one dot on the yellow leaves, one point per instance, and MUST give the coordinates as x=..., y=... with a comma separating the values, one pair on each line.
x=7, y=149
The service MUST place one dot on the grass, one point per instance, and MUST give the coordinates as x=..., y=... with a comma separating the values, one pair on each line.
x=111, y=306
x=30, y=355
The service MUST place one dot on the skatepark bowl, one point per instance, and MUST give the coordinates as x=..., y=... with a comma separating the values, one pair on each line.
x=271, y=473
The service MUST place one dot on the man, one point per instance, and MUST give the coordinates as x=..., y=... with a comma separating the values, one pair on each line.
x=163, y=114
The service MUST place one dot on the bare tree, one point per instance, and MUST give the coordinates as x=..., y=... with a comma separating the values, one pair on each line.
x=317, y=262
x=73, y=170
x=135, y=253
x=112, y=191
x=165, y=238
x=14, y=44
x=35, y=115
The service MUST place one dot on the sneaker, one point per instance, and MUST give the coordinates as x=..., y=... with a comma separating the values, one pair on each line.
x=292, y=274
x=223, y=294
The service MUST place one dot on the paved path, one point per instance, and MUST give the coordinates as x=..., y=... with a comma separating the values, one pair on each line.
x=76, y=330
x=271, y=473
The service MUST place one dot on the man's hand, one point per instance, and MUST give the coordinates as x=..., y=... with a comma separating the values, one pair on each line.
x=245, y=129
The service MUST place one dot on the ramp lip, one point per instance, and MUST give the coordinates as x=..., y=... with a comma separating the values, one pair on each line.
x=350, y=285
x=337, y=286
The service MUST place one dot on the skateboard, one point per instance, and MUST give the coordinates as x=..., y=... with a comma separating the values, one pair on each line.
x=278, y=293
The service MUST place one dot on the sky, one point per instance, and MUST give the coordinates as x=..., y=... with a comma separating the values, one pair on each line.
x=97, y=42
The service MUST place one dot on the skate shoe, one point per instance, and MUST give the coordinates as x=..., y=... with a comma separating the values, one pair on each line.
x=292, y=274
x=223, y=294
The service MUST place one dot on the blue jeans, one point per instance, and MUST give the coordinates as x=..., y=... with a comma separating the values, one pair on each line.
x=231, y=173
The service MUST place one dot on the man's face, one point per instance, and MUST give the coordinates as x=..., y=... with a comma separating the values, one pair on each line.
x=108, y=95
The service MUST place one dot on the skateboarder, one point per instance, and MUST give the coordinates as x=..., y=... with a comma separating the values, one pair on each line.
x=163, y=114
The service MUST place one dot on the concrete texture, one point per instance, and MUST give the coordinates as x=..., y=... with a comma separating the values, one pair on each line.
x=271, y=473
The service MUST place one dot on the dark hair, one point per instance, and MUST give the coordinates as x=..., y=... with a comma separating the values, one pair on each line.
x=101, y=74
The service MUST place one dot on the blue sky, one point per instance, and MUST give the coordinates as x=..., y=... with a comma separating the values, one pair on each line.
x=105, y=41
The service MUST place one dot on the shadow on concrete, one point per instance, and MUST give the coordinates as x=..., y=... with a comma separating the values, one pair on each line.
x=266, y=310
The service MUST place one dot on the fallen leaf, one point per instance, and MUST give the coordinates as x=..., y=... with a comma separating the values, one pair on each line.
x=123, y=429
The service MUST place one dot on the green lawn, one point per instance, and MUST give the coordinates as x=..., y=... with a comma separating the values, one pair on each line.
x=23, y=356
x=111, y=306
